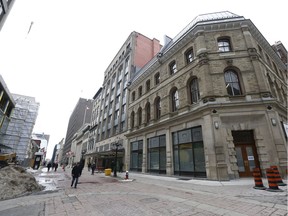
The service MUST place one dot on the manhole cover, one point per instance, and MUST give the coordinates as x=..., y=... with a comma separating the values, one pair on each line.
x=149, y=200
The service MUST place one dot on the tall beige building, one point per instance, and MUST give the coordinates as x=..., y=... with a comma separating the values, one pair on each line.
x=109, y=112
x=212, y=103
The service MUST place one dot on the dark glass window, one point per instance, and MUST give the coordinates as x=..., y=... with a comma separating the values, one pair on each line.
x=157, y=78
x=133, y=96
x=158, y=108
x=140, y=91
x=148, y=113
x=147, y=85
x=132, y=119
x=139, y=116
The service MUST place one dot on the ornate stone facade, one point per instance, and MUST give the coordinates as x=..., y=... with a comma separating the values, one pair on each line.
x=219, y=75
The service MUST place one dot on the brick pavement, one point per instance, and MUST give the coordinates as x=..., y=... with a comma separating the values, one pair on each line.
x=150, y=195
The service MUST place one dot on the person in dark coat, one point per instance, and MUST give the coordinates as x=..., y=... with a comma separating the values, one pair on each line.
x=55, y=167
x=75, y=175
x=49, y=166
x=93, y=167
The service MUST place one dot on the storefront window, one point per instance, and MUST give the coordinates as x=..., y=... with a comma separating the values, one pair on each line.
x=188, y=148
x=157, y=154
x=136, y=155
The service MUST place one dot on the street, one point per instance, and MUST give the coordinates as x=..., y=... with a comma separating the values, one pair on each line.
x=144, y=195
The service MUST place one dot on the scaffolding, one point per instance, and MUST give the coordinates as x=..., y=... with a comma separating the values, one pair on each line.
x=20, y=127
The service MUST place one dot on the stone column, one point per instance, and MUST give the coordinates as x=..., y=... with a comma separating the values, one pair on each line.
x=169, y=153
x=144, y=158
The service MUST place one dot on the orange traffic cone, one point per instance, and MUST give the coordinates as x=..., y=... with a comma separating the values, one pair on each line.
x=273, y=186
x=258, y=180
x=277, y=176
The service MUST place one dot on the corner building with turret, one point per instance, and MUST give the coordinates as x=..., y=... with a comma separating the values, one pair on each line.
x=212, y=103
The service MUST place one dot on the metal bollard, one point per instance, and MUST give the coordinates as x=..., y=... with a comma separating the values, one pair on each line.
x=126, y=175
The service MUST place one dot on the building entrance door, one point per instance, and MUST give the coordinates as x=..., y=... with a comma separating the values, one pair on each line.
x=246, y=152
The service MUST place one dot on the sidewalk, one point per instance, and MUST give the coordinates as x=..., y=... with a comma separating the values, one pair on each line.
x=146, y=194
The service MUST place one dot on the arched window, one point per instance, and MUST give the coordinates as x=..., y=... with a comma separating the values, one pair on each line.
x=175, y=100
x=148, y=85
x=133, y=96
x=132, y=119
x=194, y=91
x=148, y=112
x=139, y=116
x=173, y=67
x=140, y=91
x=157, y=78
x=189, y=55
x=224, y=45
x=157, y=108
x=232, y=83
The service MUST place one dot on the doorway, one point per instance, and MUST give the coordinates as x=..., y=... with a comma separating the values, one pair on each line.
x=246, y=152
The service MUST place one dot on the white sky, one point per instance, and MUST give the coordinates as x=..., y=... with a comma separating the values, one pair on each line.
x=72, y=42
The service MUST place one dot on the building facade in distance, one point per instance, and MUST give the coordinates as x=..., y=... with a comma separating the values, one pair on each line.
x=211, y=104
x=80, y=116
x=109, y=117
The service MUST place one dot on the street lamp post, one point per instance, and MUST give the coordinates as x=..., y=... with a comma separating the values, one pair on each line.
x=116, y=145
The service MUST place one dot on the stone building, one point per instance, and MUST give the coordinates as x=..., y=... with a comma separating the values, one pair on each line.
x=212, y=103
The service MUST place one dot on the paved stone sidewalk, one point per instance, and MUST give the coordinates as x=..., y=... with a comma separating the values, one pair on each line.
x=147, y=195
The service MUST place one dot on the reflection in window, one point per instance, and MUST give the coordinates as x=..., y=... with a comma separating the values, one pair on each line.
x=189, y=56
x=194, y=91
x=224, y=45
x=172, y=67
x=232, y=83
x=175, y=100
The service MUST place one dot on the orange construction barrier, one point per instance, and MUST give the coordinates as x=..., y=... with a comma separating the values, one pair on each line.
x=273, y=186
x=277, y=176
x=258, y=180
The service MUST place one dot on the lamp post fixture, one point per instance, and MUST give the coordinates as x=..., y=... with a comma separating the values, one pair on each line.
x=116, y=145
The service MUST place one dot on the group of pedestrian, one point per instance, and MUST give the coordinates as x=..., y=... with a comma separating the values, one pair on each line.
x=53, y=165
x=77, y=172
x=91, y=167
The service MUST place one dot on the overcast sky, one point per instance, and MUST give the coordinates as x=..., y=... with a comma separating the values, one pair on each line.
x=71, y=43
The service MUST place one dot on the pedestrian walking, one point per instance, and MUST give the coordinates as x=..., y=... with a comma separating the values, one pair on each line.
x=49, y=166
x=93, y=167
x=89, y=166
x=75, y=175
x=55, y=167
